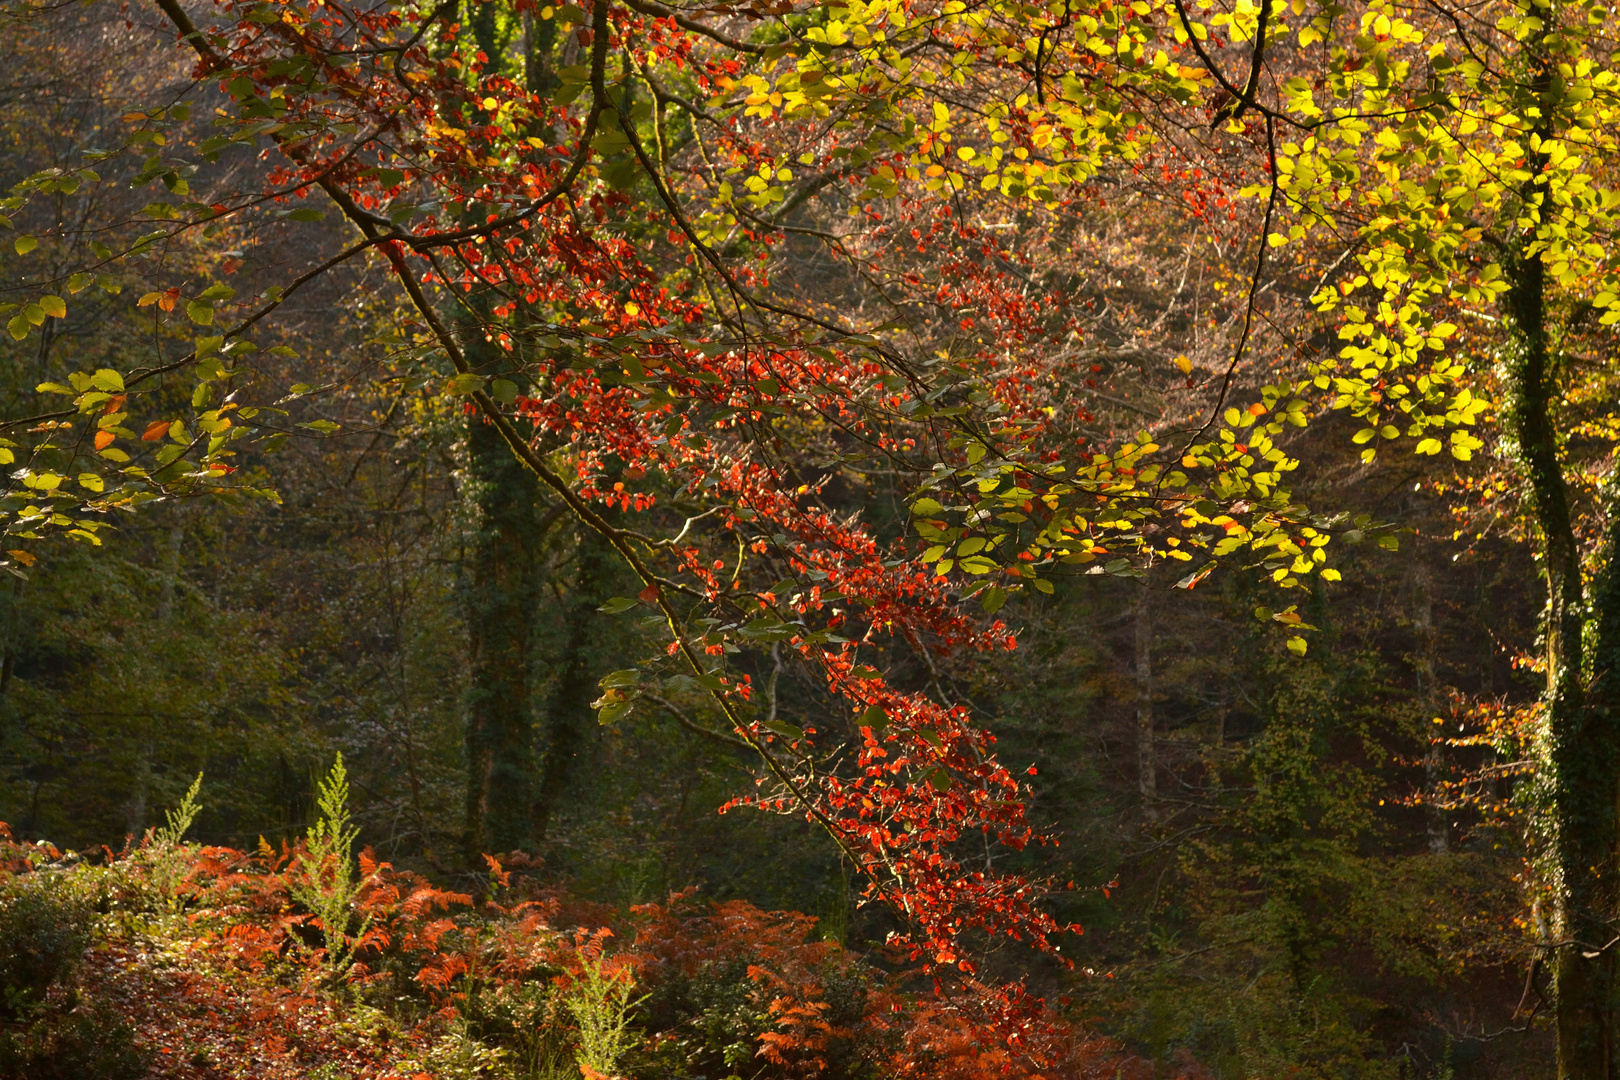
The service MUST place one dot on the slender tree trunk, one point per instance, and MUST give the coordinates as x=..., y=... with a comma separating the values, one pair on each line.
x=1146, y=759
x=568, y=720
x=1578, y=748
x=1428, y=699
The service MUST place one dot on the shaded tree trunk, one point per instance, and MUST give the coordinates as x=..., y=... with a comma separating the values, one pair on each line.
x=568, y=720
x=499, y=600
x=1147, y=783
x=1577, y=779
x=1439, y=836
x=504, y=587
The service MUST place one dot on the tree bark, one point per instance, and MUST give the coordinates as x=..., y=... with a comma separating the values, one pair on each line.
x=1147, y=783
x=1439, y=835
x=568, y=719
x=1577, y=783
x=499, y=599
x=502, y=594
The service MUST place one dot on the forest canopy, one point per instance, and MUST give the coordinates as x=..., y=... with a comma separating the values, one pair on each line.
x=737, y=540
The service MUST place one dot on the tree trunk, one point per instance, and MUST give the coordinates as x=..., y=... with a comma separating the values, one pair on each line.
x=502, y=594
x=499, y=602
x=568, y=719
x=1429, y=700
x=1577, y=776
x=1146, y=759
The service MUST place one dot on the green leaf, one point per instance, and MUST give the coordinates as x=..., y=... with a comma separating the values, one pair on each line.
x=939, y=779
x=200, y=312
x=465, y=383
x=504, y=391
x=925, y=507
x=55, y=388
x=109, y=380
x=91, y=482
x=617, y=604
x=54, y=306
x=623, y=677
x=875, y=718
x=25, y=244
x=305, y=213
x=18, y=326
x=786, y=730
x=992, y=599
x=1297, y=646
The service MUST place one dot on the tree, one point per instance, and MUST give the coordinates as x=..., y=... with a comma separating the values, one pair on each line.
x=625, y=217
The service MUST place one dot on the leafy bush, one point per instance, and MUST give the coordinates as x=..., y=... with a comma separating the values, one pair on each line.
x=44, y=929
x=90, y=1041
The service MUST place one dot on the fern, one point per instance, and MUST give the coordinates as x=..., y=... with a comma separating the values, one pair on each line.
x=178, y=821
x=326, y=882
x=169, y=861
x=600, y=1003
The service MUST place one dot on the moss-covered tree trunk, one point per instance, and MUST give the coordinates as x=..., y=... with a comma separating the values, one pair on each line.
x=501, y=592
x=1578, y=788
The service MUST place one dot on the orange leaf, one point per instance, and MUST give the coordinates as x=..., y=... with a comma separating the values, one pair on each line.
x=155, y=431
x=104, y=439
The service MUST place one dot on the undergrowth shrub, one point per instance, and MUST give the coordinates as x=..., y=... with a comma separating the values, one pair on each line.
x=517, y=985
x=48, y=1031
x=91, y=1041
x=44, y=930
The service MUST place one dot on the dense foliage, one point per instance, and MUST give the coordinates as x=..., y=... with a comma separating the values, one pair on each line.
x=915, y=464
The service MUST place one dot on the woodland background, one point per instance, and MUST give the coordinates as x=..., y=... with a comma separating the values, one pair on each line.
x=1284, y=865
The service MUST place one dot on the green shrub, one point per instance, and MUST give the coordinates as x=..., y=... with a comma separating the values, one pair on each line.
x=44, y=929
x=89, y=1042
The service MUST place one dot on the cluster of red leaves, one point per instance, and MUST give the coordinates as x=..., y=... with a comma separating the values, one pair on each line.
x=238, y=984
